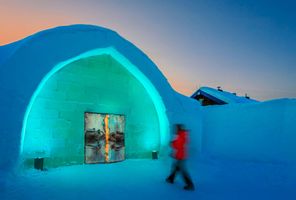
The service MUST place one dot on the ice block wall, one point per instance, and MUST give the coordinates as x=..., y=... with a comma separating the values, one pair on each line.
x=256, y=132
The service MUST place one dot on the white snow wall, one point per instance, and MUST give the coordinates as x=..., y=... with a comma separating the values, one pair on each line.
x=264, y=132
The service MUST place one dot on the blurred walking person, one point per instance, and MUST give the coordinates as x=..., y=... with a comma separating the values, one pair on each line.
x=179, y=145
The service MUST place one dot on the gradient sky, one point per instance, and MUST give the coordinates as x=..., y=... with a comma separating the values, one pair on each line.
x=243, y=46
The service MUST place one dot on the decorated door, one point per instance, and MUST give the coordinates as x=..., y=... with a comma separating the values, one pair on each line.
x=104, y=137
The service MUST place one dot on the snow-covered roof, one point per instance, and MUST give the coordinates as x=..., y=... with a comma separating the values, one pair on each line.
x=222, y=96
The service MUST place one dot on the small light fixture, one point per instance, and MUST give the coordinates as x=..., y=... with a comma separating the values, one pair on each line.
x=154, y=155
x=38, y=163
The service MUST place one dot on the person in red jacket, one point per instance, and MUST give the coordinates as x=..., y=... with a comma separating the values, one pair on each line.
x=180, y=155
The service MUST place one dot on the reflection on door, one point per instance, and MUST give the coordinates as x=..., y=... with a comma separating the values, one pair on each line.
x=104, y=137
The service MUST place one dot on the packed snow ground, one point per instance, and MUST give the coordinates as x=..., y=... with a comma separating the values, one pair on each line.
x=144, y=179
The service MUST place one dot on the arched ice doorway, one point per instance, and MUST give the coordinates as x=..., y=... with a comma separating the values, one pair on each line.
x=100, y=81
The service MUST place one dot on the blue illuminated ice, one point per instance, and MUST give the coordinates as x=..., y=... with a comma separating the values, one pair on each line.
x=241, y=151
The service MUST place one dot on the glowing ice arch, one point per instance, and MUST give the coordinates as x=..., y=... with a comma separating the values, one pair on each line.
x=151, y=90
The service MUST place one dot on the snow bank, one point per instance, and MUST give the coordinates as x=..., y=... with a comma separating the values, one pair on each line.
x=255, y=132
x=144, y=179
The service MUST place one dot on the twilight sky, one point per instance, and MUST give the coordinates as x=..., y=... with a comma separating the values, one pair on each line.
x=243, y=46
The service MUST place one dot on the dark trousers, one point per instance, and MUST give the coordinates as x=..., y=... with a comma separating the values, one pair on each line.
x=179, y=166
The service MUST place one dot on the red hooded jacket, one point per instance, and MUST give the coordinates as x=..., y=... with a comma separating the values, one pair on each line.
x=179, y=145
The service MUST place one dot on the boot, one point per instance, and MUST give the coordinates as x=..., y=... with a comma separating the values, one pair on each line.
x=189, y=187
x=169, y=180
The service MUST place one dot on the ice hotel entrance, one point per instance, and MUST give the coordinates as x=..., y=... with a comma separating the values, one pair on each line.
x=91, y=110
x=52, y=78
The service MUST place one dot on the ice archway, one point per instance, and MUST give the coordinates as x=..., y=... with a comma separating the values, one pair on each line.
x=140, y=102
